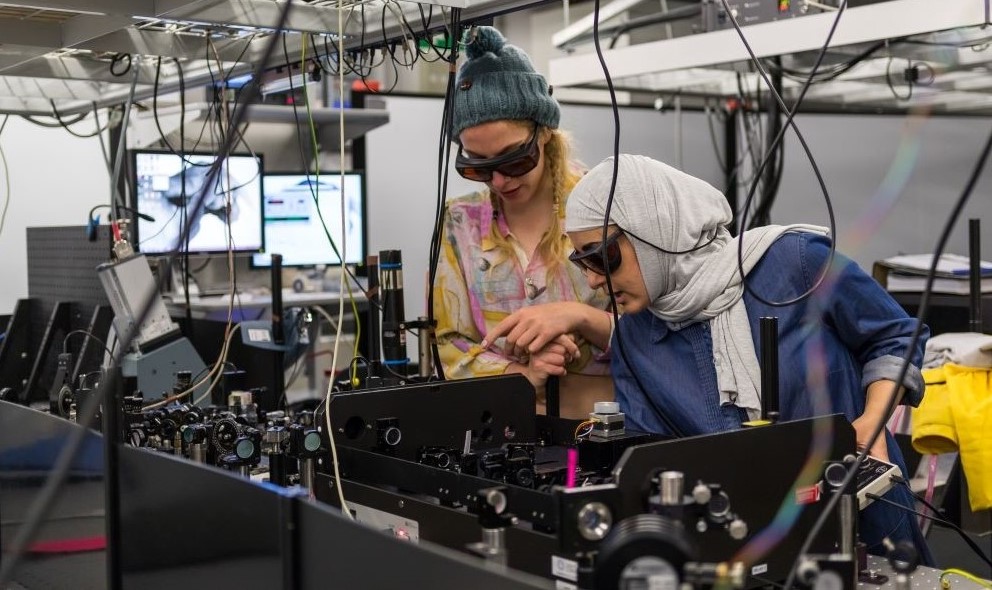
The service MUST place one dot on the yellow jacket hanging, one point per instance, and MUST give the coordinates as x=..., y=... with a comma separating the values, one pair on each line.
x=956, y=416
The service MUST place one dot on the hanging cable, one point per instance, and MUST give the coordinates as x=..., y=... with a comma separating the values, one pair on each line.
x=116, y=198
x=42, y=502
x=64, y=125
x=6, y=178
x=773, y=172
x=669, y=424
x=770, y=150
x=443, y=162
x=337, y=339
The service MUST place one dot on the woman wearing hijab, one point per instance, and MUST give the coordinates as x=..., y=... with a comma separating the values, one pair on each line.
x=689, y=327
x=503, y=248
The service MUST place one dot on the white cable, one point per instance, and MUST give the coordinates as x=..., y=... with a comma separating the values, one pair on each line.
x=327, y=316
x=398, y=15
x=221, y=359
x=225, y=180
x=219, y=367
x=6, y=179
x=225, y=183
x=678, y=130
x=344, y=246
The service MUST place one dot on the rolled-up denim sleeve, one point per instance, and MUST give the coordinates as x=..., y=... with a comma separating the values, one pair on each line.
x=875, y=328
x=888, y=367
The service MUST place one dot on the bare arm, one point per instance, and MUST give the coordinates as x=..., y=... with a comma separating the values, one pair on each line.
x=876, y=402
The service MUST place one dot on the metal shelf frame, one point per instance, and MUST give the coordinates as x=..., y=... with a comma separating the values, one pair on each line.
x=59, y=51
x=708, y=63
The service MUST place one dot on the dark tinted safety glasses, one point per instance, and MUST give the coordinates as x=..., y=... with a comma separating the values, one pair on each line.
x=590, y=257
x=513, y=164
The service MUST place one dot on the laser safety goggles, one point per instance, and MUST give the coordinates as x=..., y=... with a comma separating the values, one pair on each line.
x=513, y=164
x=591, y=256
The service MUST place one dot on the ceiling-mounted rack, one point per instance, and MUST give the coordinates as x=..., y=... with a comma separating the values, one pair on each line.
x=60, y=55
x=945, y=45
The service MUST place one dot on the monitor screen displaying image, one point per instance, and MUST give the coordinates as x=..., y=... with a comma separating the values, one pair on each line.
x=294, y=229
x=158, y=184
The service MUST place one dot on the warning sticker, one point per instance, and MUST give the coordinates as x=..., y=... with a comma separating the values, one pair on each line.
x=808, y=495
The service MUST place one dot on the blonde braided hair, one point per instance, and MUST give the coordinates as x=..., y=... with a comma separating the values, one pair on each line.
x=554, y=245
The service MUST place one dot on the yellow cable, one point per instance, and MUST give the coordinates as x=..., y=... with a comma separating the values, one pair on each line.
x=587, y=423
x=313, y=140
x=944, y=583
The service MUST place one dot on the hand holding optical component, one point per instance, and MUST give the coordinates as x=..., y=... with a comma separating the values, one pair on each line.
x=530, y=329
x=548, y=361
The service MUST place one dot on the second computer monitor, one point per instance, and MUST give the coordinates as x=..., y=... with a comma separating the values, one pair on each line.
x=298, y=208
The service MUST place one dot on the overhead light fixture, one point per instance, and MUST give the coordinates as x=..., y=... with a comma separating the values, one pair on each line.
x=50, y=9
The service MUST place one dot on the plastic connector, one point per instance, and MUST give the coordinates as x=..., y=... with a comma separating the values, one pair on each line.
x=91, y=227
x=911, y=74
x=121, y=248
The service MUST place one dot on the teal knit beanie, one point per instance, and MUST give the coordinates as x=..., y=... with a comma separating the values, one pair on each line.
x=498, y=82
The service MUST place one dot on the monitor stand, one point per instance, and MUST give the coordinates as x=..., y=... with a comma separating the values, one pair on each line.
x=179, y=289
x=195, y=290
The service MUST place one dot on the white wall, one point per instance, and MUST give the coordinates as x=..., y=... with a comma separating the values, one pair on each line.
x=856, y=153
x=55, y=179
x=402, y=191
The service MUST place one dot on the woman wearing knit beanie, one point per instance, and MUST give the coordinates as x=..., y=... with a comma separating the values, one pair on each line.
x=504, y=259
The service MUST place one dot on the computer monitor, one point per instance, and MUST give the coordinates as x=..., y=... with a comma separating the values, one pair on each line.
x=294, y=229
x=157, y=182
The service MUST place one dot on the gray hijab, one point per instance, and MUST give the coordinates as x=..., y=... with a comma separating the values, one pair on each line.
x=679, y=212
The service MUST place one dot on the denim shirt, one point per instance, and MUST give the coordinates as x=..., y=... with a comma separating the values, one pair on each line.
x=861, y=330
x=852, y=325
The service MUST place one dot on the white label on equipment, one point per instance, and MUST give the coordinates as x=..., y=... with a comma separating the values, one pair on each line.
x=259, y=335
x=565, y=568
x=561, y=585
x=759, y=569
